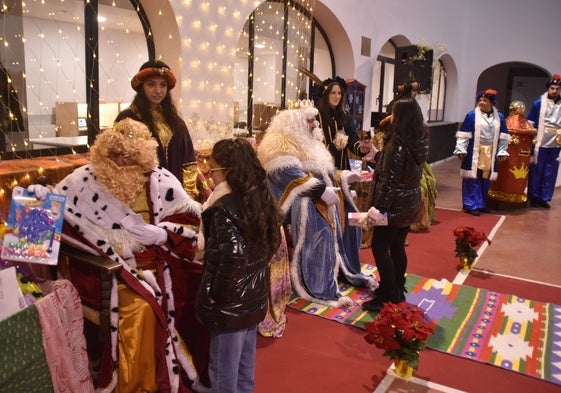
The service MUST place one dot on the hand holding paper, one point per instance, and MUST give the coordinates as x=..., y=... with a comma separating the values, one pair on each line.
x=368, y=220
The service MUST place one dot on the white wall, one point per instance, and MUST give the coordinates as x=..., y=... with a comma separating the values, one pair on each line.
x=476, y=33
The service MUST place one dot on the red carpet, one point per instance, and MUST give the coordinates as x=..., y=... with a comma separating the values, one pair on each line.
x=318, y=355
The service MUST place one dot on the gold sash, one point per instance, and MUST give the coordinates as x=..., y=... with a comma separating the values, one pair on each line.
x=557, y=130
x=484, y=162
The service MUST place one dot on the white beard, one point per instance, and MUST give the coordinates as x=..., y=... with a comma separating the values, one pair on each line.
x=125, y=182
x=317, y=134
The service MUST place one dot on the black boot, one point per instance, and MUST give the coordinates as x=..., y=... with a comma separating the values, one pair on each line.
x=375, y=304
x=380, y=299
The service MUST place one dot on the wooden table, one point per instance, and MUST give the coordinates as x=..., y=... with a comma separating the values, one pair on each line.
x=60, y=141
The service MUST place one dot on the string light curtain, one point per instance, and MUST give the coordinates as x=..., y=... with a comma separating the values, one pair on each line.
x=275, y=40
x=43, y=64
x=42, y=53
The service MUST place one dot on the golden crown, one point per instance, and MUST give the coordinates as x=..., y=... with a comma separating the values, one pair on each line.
x=299, y=104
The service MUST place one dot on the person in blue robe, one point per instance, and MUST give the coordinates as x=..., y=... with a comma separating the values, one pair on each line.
x=480, y=143
x=545, y=116
x=301, y=173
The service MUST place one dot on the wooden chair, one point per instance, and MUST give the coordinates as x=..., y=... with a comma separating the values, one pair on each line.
x=75, y=264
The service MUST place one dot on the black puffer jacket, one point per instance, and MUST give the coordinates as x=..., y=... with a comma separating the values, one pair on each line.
x=235, y=284
x=397, y=175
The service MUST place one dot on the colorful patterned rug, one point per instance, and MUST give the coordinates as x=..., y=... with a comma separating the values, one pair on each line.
x=503, y=330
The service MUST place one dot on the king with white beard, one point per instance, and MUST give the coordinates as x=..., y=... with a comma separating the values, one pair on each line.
x=300, y=170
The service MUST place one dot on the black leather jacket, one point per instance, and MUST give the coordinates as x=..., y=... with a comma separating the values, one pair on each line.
x=235, y=285
x=397, y=175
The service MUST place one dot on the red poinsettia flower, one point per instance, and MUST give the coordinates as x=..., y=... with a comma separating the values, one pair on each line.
x=401, y=330
x=467, y=238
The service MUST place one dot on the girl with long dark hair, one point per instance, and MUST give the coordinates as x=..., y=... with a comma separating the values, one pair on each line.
x=397, y=193
x=240, y=233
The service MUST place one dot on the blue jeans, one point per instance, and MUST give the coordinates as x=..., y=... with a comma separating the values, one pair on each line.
x=232, y=361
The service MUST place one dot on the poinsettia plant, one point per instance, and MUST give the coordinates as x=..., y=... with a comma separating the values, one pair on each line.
x=467, y=238
x=401, y=330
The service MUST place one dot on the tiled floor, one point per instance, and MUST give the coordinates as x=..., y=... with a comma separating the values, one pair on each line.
x=528, y=243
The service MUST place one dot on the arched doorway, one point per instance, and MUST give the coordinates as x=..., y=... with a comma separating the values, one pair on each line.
x=513, y=81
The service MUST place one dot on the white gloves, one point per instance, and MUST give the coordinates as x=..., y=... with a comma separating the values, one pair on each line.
x=340, y=141
x=146, y=234
x=39, y=191
x=330, y=195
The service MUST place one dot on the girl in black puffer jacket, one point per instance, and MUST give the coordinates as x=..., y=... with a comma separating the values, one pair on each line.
x=398, y=172
x=240, y=232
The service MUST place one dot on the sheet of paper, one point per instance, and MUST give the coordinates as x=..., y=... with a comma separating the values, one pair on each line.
x=11, y=297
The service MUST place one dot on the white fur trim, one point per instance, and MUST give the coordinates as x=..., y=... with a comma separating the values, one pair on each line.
x=464, y=134
x=294, y=271
x=541, y=128
x=219, y=191
x=184, y=203
x=281, y=162
x=326, y=171
x=344, y=301
x=97, y=214
x=297, y=191
x=345, y=187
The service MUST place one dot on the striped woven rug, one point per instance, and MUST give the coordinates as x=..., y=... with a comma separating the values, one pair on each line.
x=503, y=330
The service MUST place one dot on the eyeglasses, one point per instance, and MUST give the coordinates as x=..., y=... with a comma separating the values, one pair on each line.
x=223, y=168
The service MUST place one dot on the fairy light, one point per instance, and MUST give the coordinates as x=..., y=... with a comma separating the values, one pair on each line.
x=214, y=71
